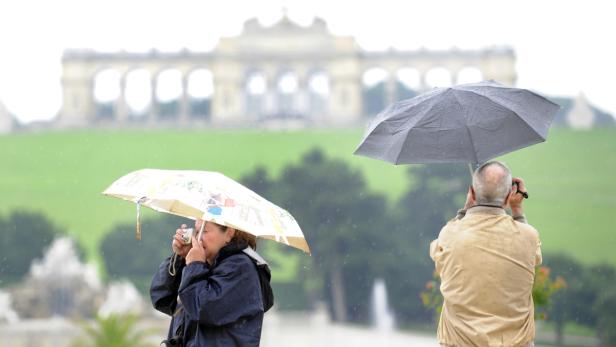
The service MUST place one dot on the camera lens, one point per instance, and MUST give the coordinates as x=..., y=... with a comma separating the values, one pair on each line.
x=187, y=235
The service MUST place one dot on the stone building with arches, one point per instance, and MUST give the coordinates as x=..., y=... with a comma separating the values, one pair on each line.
x=282, y=72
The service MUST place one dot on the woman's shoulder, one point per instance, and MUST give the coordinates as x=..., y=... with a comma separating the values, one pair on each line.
x=239, y=259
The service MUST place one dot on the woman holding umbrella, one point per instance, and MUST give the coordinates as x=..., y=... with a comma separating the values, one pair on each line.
x=216, y=288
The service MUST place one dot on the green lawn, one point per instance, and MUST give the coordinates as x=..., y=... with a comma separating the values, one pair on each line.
x=573, y=200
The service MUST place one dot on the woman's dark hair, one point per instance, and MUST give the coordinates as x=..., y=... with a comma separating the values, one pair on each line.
x=241, y=236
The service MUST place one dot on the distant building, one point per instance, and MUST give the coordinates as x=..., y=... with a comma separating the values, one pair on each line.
x=284, y=72
x=6, y=120
x=578, y=113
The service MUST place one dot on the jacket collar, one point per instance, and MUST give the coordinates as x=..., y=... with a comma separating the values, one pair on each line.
x=483, y=209
x=229, y=250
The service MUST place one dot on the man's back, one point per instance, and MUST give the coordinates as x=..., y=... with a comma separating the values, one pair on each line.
x=486, y=261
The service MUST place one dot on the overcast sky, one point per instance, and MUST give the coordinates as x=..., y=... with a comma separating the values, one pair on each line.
x=563, y=47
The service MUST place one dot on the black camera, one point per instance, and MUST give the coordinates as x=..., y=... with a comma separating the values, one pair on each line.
x=524, y=194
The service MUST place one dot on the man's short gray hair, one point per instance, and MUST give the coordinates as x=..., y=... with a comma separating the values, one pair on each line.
x=492, y=183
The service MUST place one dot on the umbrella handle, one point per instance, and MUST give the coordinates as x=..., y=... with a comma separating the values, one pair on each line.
x=201, y=232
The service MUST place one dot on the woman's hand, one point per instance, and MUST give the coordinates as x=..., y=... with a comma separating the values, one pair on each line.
x=177, y=245
x=196, y=253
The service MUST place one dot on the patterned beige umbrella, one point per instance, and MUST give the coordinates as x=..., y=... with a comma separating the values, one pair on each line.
x=210, y=196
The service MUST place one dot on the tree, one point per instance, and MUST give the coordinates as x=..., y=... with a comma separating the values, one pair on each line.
x=24, y=235
x=605, y=306
x=138, y=260
x=589, y=299
x=570, y=304
x=342, y=222
x=436, y=194
x=602, y=281
x=437, y=191
x=354, y=236
x=113, y=331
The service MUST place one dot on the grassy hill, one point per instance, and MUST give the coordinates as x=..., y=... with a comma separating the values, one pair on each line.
x=570, y=177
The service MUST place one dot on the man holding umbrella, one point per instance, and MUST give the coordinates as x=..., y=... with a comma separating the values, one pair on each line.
x=486, y=260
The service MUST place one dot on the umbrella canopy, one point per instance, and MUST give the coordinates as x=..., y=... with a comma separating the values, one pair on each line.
x=469, y=123
x=210, y=196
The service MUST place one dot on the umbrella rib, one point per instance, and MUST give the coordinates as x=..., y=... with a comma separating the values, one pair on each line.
x=468, y=131
x=505, y=107
x=470, y=138
x=414, y=122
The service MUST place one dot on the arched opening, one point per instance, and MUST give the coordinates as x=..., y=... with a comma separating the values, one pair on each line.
x=408, y=83
x=256, y=91
x=469, y=75
x=438, y=77
x=318, y=91
x=374, y=93
x=200, y=88
x=138, y=92
x=168, y=93
x=287, y=88
x=106, y=92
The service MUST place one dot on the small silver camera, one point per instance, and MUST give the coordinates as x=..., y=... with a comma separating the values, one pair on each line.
x=187, y=235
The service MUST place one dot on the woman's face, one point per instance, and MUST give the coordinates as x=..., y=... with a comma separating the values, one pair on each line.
x=213, y=238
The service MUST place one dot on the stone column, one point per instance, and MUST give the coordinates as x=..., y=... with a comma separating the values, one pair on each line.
x=391, y=89
x=184, y=111
x=154, y=113
x=270, y=97
x=422, y=80
x=77, y=95
x=227, y=103
x=302, y=98
x=121, y=108
x=345, y=100
x=78, y=105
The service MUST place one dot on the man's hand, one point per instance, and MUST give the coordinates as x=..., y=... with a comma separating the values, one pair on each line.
x=470, y=200
x=177, y=245
x=515, y=198
x=196, y=253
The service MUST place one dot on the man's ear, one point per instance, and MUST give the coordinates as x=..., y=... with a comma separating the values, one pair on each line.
x=473, y=193
x=506, y=202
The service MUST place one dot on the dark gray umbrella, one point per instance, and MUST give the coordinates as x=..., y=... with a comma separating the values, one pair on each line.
x=469, y=123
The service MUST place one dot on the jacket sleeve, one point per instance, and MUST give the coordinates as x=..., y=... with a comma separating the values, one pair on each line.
x=221, y=295
x=164, y=287
x=538, y=255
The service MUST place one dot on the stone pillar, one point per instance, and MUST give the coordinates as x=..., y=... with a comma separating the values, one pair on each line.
x=345, y=100
x=184, y=111
x=78, y=103
x=302, y=97
x=270, y=97
x=423, y=85
x=121, y=111
x=391, y=89
x=154, y=113
x=77, y=94
x=500, y=69
x=227, y=102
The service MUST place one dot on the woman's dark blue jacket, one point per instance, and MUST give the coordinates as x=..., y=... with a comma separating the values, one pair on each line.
x=219, y=305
